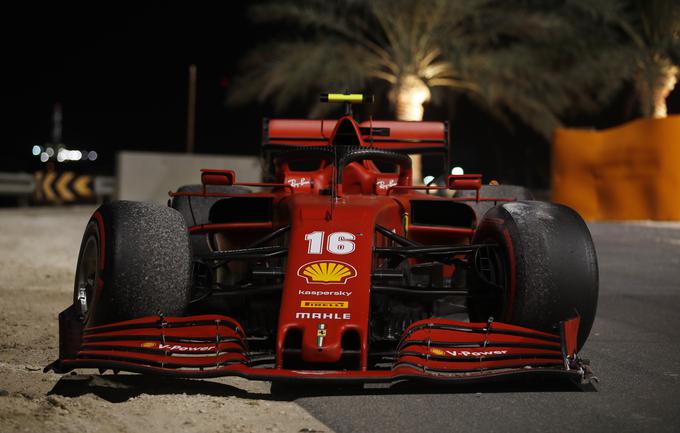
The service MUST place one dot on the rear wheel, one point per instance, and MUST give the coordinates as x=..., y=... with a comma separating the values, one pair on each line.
x=196, y=210
x=543, y=271
x=493, y=191
x=134, y=261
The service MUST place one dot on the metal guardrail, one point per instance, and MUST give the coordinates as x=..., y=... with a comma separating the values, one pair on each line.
x=17, y=184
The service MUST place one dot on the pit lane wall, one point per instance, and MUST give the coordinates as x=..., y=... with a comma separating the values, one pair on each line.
x=629, y=172
x=148, y=176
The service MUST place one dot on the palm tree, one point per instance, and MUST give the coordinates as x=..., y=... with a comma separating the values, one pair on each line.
x=593, y=48
x=535, y=59
x=545, y=60
x=648, y=49
x=653, y=27
x=353, y=44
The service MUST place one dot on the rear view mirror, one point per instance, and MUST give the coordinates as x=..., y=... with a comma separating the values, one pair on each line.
x=464, y=181
x=217, y=177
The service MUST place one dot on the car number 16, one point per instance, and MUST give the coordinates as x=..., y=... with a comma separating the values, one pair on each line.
x=337, y=242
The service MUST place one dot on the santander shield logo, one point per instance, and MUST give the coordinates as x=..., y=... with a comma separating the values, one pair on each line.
x=327, y=272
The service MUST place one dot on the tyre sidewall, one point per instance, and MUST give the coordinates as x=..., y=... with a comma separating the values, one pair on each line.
x=552, y=266
x=145, y=262
x=92, y=230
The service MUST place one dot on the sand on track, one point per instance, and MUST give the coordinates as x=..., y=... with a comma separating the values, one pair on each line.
x=38, y=253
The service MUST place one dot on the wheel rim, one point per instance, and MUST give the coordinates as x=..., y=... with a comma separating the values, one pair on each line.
x=87, y=275
x=490, y=266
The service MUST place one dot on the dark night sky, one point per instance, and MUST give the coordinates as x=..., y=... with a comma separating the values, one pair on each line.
x=121, y=76
x=120, y=72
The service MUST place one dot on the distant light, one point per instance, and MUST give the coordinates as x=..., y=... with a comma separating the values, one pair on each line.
x=457, y=170
x=36, y=150
x=50, y=152
x=69, y=155
x=428, y=179
x=44, y=157
x=92, y=155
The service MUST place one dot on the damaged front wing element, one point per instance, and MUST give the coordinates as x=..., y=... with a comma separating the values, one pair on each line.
x=212, y=345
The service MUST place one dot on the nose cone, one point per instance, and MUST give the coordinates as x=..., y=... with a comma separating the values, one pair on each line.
x=325, y=303
x=322, y=342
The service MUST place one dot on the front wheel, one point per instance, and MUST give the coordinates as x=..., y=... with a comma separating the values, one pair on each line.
x=134, y=261
x=543, y=271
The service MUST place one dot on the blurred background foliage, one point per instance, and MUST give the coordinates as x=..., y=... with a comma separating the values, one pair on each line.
x=542, y=60
x=544, y=63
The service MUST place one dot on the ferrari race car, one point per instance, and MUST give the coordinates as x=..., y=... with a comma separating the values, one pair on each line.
x=338, y=269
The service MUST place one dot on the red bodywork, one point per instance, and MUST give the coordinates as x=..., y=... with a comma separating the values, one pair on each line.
x=327, y=291
x=213, y=346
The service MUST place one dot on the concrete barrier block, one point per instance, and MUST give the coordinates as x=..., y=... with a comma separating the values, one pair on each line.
x=148, y=176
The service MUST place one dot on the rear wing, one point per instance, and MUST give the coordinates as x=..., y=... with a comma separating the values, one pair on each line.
x=399, y=136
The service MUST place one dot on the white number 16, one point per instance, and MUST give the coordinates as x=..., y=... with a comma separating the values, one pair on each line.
x=338, y=242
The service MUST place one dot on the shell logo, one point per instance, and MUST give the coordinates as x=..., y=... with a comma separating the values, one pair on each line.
x=438, y=352
x=327, y=272
x=148, y=344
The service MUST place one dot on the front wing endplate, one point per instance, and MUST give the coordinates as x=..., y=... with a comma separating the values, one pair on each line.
x=212, y=346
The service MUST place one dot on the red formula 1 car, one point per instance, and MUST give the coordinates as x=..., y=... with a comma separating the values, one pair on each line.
x=339, y=269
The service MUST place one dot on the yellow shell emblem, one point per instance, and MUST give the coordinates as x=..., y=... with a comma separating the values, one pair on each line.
x=436, y=351
x=327, y=272
x=149, y=344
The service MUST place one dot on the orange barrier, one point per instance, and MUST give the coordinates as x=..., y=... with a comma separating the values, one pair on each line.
x=629, y=172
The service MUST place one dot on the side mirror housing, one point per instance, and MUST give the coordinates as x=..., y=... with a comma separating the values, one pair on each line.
x=217, y=177
x=464, y=181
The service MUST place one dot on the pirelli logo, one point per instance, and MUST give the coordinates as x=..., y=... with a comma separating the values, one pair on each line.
x=324, y=304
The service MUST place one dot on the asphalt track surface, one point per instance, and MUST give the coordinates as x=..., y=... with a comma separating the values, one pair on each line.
x=634, y=350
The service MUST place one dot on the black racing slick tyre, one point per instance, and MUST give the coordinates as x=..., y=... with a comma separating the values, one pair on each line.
x=196, y=210
x=543, y=271
x=493, y=191
x=134, y=261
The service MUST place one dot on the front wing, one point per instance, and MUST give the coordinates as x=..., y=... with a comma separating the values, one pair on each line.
x=212, y=345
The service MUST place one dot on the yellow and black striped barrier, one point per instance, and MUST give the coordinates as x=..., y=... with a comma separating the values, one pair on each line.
x=63, y=187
